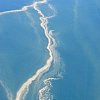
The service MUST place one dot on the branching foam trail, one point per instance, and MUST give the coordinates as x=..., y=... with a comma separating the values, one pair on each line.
x=45, y=68
x=44, y=24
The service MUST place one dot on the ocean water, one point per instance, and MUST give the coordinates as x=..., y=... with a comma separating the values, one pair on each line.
x=6, y=5
x=49, y=50
x=28, y=58
x=78, y=35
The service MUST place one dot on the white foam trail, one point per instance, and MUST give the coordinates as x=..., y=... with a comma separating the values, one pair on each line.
x=44, y=21
x=14, y=11
x=45, y=68
x=8, y=92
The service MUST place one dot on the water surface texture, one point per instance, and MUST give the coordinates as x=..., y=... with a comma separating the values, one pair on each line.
x=49, y=50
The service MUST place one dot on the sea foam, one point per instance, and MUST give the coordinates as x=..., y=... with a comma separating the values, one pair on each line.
x=22, y=92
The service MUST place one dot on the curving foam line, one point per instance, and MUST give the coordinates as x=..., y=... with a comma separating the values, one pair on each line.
x=44, y=21
x=45, y=68
x=14, y=11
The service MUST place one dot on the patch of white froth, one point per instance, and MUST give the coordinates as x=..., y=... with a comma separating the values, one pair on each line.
x=14, y=11
x=7, y=91
x=44, y=24
x=44, y=93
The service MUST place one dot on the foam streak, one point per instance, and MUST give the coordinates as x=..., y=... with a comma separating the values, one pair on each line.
x=8, y=92
x=14, y=11
x=22, y=92
x=44, y=24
